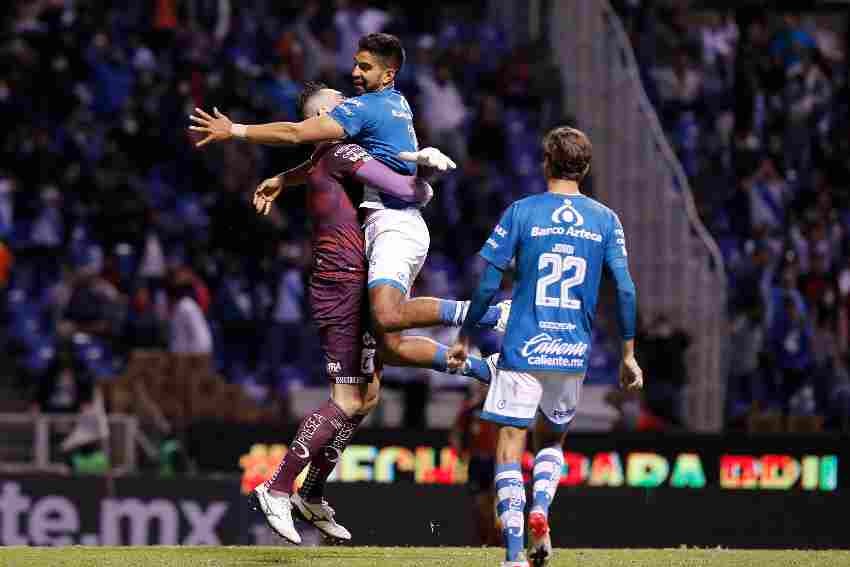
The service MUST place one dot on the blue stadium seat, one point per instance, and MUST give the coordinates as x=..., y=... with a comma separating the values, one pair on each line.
x=95, y=355
x=40, y=355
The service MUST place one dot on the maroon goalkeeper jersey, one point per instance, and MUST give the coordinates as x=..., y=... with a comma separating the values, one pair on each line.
x=338, y=247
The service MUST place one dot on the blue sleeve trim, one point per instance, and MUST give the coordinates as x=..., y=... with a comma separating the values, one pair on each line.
x=505, y=467
x=520, y=422
x=387, y=281
x=490, y=282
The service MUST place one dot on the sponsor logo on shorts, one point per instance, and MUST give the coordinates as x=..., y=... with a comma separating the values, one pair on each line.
x=545, y=350
x=334, y=368
x=562, y=414
x=492, y=243
x=500, y=231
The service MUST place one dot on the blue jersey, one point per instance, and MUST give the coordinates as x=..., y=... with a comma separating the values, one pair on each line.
x=382, y=123
x=561, y=244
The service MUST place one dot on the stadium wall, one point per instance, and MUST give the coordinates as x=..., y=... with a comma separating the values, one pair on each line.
x=676, y=264
x=149, y=511
x=409, y=488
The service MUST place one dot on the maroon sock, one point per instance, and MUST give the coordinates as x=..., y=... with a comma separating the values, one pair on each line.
x=314, y=432
x=325, y=460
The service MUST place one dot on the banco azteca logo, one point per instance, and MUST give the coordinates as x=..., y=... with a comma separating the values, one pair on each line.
x=567, y=213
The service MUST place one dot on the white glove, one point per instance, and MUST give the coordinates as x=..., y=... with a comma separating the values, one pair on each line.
x=429, y=157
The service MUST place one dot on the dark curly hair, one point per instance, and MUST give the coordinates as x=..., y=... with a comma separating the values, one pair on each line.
x=386, y=46
x=566, y=153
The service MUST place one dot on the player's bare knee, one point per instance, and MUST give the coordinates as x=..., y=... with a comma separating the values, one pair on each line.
x=389, y=345
x=369, y=403
x=549, y=439
x=388, y=319
x=511, y=444
x=350, y=405
x=386, y=303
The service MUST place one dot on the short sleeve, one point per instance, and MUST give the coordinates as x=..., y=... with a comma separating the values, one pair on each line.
x=615, y=245
x=353, y=115
x=500, y=248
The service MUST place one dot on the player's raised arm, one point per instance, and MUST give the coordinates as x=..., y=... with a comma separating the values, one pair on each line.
x=219, y=128
x=631, y=375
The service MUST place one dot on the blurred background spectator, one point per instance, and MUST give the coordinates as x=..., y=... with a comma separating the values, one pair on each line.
x=755, y=104
x=102, y=195
x=125, y=237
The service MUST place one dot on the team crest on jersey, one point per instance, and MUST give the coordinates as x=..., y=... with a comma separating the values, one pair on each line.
x=567, y=213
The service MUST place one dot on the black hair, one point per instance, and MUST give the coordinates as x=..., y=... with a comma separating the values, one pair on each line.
x=386, y=46
x=310, y=88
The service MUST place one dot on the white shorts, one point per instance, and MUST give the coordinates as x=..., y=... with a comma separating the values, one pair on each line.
x=397, y=243
x=514, y=398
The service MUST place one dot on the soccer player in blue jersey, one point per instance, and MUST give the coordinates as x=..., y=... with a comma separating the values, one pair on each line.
x=560, y=241
x=397, y=239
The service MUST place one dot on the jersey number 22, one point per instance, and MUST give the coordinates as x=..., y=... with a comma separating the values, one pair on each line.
x=560, y=265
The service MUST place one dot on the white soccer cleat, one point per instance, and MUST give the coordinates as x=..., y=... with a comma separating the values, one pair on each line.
x=540, y=542
x=504, y=315
x=320, y=515
x=522, y=563
x=429, y=157
x=278, y=513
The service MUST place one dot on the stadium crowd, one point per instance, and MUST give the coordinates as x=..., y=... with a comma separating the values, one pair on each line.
x=116, y=234
x=756, y=106
x=122, y=235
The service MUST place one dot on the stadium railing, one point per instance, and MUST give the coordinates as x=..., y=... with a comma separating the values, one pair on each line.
x=676, y=263
x=34, y=443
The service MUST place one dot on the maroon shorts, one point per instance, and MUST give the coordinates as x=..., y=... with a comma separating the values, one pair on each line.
x=340, y=308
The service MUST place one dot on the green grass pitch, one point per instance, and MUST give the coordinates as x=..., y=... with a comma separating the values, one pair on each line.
x=401, y=557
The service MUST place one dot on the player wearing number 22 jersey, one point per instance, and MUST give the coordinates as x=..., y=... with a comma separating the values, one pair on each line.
x=561, y=245
x=561, y=241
